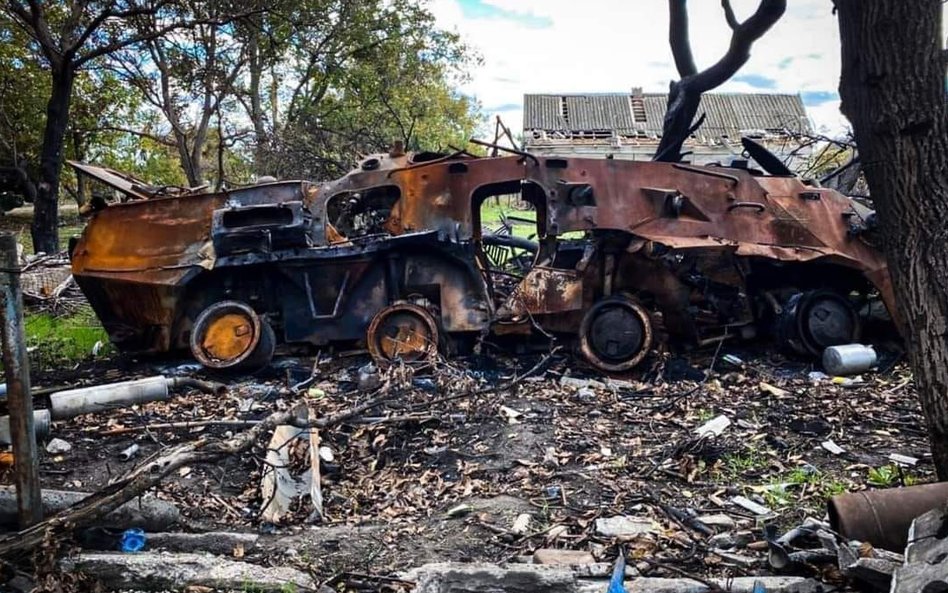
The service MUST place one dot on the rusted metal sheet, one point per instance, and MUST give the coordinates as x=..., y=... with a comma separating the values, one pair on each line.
x=706, y=253
x=546, y=290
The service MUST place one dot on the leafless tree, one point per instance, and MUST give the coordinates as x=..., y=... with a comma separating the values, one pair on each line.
x=684, y=96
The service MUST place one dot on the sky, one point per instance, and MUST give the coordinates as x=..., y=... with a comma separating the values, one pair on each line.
x=564, y=46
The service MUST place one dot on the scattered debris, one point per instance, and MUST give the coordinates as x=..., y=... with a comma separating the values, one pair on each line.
x=750, y=505
x=926, y=557
x=622, y=526
x=714, y=427
x=832, y=447
x=849, y=359
x=90, y=400
x=768, y=388
x=521, y=524
x=58, y=446
x=128, y=453
x=883, y=517
x=904, y=460
x=562, y=557
x=290, y=449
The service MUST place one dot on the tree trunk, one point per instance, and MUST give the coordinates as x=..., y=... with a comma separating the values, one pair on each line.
x=81, y=181
x=255, y=69
x=45, y=228
x=893, y=92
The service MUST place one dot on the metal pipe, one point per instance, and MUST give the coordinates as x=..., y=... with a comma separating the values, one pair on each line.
x=85, y=400
x=16, y=368
x=209, y=387
x=882, y=517
x=41, y=420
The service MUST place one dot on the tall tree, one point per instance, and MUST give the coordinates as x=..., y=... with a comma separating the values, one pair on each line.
x=684, y=96
x=186, y=76
x=379, y=71
x=893, y=89
x=70, y=35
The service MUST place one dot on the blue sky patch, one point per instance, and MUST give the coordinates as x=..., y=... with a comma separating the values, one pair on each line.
x=814, y=98
x=482, y=9
x=505, y=107
x=757, y=81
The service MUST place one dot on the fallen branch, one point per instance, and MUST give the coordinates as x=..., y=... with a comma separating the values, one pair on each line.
x=173, y=425
x=146, y=476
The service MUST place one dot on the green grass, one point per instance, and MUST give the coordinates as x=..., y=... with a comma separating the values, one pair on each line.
x=890, y=475
x=64, y=340
x=736, y=464
x=493, y=210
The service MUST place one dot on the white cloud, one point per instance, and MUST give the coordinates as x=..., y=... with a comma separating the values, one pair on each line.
x=613, y=45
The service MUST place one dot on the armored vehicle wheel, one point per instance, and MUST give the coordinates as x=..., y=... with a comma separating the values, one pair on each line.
x=403, y=331
x=616, y=334
x=813, y=321
x=230, y=335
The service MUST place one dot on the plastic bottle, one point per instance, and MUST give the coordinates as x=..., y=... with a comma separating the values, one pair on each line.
x=133, y=540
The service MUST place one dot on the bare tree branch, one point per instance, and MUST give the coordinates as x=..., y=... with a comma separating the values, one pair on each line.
x=679, y=39
x=684, y=96
x=729, y=15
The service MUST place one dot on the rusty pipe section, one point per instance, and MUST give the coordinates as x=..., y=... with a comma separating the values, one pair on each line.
x=97, y=398
x=882, y=517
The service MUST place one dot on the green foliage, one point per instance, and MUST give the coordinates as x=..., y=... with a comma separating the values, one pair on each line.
x=890, y=475
x=736, y=464
x=299, y=88
x=390, y=76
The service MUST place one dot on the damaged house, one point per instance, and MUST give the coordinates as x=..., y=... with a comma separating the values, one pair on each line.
x=629, y=125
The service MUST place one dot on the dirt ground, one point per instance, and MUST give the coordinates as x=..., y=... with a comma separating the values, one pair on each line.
x=564, y=445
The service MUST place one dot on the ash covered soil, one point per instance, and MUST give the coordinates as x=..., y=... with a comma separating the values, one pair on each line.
x=458, y=451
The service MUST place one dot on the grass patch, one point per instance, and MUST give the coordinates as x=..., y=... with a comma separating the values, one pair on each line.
x=736, y=464
x=890, y=475
x=63, y=340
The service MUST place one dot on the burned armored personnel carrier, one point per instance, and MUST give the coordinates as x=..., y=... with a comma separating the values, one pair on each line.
x=395, y=256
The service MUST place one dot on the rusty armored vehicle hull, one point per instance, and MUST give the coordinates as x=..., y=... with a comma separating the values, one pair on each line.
x=628, y=255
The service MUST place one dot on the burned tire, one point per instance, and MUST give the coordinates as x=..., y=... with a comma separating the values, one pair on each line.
x=615, y=334
x=813, y=321
x=403, y=331
x=231, y=335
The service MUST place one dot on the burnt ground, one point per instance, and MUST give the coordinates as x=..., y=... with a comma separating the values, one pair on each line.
x=563, y=451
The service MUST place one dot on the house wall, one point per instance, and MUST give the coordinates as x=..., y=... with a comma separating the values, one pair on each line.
x=637, y=150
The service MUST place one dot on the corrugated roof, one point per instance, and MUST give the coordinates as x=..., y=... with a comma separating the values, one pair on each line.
x=728, y=114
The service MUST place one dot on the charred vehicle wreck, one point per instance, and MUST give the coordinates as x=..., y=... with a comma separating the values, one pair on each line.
x=629, y=255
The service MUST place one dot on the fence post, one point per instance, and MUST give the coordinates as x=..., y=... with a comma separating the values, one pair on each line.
x=16, y=367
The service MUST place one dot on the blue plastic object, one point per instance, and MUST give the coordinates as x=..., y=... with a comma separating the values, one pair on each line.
x=617, y=582
x=133, y=540
x=759, y=587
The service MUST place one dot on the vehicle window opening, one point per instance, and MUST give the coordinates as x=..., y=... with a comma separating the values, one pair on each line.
x=362, y=213
x=254, y=217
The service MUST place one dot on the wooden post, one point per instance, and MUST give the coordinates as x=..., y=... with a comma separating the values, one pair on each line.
x=16, y=367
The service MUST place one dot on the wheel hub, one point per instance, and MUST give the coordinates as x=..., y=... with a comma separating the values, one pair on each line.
x=403, y=331
x=615, y=334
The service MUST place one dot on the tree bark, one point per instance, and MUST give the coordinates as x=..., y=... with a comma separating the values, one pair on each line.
x=893, y=92
x=45, y=228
